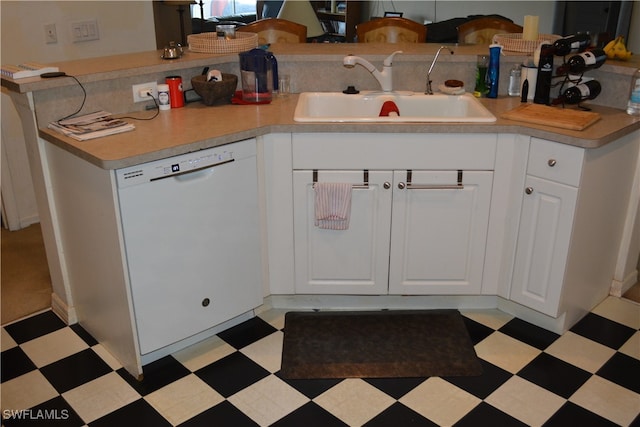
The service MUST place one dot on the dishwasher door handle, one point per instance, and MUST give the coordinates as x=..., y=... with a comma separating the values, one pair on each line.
x=192, y=173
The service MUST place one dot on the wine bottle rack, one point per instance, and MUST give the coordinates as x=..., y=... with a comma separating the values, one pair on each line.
x=564, y=79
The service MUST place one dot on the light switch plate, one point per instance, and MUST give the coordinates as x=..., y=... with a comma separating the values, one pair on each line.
x=84, y=31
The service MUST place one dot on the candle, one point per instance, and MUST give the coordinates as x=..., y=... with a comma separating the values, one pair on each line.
x=530, y=28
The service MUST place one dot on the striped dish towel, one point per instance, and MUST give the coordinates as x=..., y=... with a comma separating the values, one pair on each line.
x=332, y=205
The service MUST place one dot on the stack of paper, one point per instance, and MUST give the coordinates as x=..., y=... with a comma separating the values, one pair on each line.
x=28, y=69
x=92, y=125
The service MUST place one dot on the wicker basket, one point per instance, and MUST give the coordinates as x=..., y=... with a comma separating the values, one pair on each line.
x=209, y=43
x=512, y=42
x=215, y=93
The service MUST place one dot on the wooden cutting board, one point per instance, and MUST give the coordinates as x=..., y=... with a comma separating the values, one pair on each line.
x=566, y=118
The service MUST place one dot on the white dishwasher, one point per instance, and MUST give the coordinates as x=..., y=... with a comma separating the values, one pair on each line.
x=192, y=241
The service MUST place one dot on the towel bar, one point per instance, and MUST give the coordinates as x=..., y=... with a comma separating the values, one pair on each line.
x=410, y=186
x=365, y=179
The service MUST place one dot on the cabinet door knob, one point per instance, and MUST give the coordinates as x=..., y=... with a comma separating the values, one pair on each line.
x=552, y=162
x=528, y=190
x=206, y=302
x=401, y=185
x=386, y=185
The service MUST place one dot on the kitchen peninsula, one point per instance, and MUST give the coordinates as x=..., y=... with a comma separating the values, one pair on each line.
x=543, y=241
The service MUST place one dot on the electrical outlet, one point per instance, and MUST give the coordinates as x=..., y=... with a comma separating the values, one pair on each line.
x=139, y=91
x=50, y=34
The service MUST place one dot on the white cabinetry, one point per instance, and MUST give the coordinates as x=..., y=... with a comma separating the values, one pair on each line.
x=439, y=232
x=543, y=244
x=571, y=223
x=412, y=231
x=353, y=261
x=545, y=224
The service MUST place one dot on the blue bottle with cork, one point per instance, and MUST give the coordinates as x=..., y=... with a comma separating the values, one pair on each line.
x=493, y=73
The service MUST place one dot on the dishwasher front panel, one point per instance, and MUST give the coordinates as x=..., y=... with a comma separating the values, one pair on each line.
x=193, y=244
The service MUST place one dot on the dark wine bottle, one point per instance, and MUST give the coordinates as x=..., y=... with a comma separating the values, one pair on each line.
x=578, y=93
x=571, y=44
x=584, y=61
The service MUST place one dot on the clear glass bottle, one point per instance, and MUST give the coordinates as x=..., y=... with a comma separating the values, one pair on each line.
x=514, y=80
x=633, y=106
x=481, y=76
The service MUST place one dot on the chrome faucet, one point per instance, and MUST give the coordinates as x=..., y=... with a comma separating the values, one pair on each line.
x=429, y=91
x=384, y=77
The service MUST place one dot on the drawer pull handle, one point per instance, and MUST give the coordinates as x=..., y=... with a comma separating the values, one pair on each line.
x=551, y=162
x=528, y=190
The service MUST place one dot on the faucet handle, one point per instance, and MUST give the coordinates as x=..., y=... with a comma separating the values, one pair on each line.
x=389, y=60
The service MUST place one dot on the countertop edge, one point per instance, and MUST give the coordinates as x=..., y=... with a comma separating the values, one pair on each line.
x=205, y=127
x=112, y=164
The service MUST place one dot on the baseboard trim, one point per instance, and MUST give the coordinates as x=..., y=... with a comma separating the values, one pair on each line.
x=62, y=310
x=374, y=302
x=619, y=288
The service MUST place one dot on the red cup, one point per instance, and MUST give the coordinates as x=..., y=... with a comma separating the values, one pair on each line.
x=175, y=91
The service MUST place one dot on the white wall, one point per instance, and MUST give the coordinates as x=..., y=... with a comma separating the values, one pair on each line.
x=124, y=27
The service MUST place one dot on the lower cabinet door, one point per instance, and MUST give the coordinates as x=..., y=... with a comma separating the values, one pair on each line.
x=543, y=244
x=439, y=232
x=352, y=261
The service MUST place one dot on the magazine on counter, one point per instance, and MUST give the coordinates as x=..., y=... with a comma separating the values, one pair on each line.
x=92, y=125
x=28, y=69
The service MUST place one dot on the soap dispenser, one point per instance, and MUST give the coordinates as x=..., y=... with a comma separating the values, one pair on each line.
x=493, y=73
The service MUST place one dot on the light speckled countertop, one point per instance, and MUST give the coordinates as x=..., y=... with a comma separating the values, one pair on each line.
x=197, y=126
x=313, y=67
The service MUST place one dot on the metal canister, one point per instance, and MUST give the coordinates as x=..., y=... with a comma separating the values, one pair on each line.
x=175, y=91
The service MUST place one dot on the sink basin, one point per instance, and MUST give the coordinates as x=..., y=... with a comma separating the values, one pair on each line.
x=413, y=107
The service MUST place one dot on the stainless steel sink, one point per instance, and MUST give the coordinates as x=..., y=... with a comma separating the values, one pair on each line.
x=412, y=107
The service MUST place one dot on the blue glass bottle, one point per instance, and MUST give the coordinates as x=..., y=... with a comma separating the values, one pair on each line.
x=493, y=73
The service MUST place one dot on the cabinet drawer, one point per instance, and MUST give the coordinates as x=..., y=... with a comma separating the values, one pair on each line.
x=555, y=161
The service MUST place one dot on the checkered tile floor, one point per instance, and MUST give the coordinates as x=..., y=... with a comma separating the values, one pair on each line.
x=589, y=376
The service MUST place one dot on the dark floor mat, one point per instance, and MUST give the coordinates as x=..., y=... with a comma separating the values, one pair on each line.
x=377, y=344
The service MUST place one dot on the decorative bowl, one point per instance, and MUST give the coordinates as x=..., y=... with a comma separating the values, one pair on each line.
x=215, y=93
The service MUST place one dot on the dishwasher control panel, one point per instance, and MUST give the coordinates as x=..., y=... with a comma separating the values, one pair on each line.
x=174, y=166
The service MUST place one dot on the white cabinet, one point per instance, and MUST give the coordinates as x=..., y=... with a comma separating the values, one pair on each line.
x=352, y=261
x=543, y=244
x=412, y=231
x=546, y=220
x=439, y=232
x=571, y=225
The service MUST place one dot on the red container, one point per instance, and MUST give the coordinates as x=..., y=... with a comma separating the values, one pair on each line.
x=175, y=91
